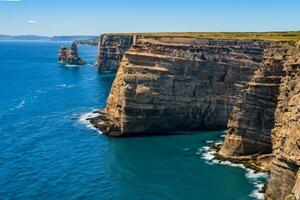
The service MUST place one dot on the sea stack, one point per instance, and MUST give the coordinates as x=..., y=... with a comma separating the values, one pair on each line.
x=70, y=56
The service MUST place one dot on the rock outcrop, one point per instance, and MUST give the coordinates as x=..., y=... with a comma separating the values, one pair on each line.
x=111, y=51
x=167, y=84
x=70, y=56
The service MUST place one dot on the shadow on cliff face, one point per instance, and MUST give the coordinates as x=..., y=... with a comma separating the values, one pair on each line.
x=164, y=134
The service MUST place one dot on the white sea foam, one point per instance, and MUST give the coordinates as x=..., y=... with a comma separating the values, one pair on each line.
x=257, y=195
x=71, y=65
x=209, y=141
x=83, y=119
x=21, y=104
x=251, y=174
x=208, y=154
x=41, y=91
x=255, y=178
x=187, y=149
x=65, y=86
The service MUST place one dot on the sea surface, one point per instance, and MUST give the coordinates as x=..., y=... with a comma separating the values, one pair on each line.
x=48, y=150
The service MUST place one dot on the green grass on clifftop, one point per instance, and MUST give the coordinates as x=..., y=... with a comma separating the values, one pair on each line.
x=270, y=36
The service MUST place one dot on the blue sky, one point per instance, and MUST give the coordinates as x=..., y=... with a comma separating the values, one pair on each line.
x=93, y=17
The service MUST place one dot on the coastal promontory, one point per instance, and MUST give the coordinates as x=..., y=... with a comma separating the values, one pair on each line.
x=247, y=83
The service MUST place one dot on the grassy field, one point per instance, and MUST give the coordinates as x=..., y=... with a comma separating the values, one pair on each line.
x=270, y=36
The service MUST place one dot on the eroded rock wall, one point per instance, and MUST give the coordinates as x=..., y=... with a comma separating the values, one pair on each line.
x=253, y=116
x=178, y=84
x=266, y=119
x=286, y=134
x=111, y=50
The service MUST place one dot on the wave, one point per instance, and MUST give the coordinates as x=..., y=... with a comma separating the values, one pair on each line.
x=71, y=65
x=65, y=86
x=83, y=119
x=257, y=179
x=19, y=106
x=41, y=91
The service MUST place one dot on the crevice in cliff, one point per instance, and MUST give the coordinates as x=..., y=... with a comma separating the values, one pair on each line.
x=253, y=115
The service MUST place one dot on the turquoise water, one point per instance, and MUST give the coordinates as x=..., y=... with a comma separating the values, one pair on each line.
x=49, y=151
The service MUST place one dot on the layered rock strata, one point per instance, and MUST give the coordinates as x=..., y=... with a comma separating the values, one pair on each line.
x=266, y=119
x=70, y=56
x=285, y=174
x=166, y=85
x=111, y=51
x=252, y=119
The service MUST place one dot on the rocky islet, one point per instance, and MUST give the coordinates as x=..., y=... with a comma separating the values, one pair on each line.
x=70, y=56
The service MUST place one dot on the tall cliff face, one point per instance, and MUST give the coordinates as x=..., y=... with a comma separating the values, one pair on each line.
x=252, y=118
x=266, y=119
x=111, y=51
x=178, y=84
x=286, y=134
x=168, y=84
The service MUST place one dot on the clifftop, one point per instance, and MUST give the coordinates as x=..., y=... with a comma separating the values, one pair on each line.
x=292, y=36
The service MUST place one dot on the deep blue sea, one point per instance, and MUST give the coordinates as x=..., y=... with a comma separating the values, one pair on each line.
x=48, y=151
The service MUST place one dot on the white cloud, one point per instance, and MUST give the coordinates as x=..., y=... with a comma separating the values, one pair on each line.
x=31, y=21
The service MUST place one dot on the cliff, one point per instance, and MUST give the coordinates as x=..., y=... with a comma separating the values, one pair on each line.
x=69, y=56
x=286, y=134
x=111, y=51
x=266, y=119
x=170, y=84
x=248, y=82
x=252, y=119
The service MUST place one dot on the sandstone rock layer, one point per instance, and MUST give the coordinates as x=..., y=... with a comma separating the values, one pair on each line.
x=252, y=118
x=166, y=85
x=286, y=134
x=266, y=119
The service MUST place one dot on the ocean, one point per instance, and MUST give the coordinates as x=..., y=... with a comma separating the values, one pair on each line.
x=49, y=151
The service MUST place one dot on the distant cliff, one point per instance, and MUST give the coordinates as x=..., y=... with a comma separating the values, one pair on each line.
x=111, y=51
x=25, y=37
x=46, y=38
x=88, y=42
